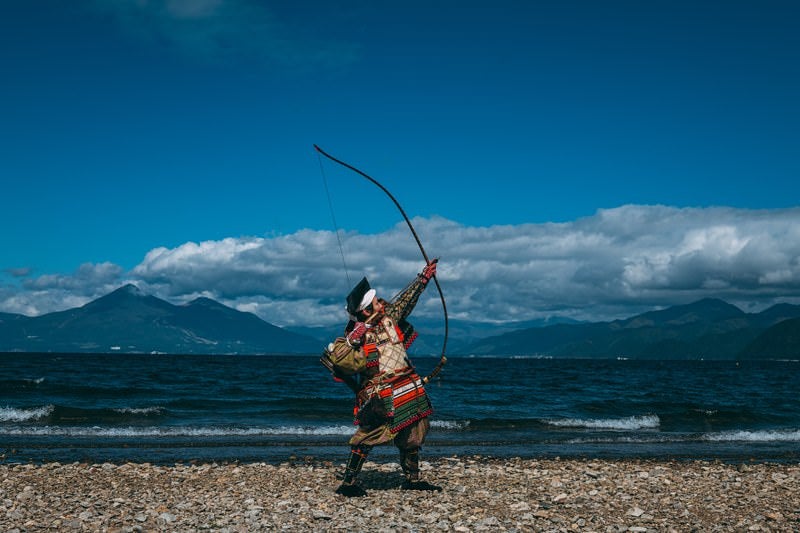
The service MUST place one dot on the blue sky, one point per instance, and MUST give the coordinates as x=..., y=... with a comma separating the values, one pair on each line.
x=169, y=144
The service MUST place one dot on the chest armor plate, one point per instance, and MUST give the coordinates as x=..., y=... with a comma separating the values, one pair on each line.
x=389, y=344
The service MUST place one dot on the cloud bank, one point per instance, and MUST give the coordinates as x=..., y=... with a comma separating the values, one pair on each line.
x=613, y=264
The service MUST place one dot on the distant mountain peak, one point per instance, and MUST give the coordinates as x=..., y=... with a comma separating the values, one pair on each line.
x=705, y=310
x=711, y=303
x=126, y=297
x=203, y=300
x=130, y=320
x=130, y=288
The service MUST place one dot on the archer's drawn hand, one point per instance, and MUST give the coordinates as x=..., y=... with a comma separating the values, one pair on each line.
x=358, y=331
x=429, y=271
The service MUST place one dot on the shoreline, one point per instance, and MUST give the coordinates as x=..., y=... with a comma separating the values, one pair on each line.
x=480, y=493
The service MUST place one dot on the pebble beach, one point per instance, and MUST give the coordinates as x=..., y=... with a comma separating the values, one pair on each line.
x=480, y=494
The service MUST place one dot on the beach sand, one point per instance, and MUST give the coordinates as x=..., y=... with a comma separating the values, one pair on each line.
x=480, y=494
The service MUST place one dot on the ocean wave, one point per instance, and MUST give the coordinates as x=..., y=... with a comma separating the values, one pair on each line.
x=450, y=425
x=775, y=435
x=156, y=410
x=778, y=435
x=55, y=414
x=17, y=414
x=508, y=357
x=20, y=383
x=629, y=439
x=152, y=431
x=622, y=424
x=706, y=412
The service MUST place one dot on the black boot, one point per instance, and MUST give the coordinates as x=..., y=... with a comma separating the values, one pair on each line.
x=409, y=462
x=419, y=485
x=351, y=490
x=358, y=455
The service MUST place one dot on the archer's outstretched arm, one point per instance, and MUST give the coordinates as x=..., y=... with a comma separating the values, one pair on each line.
x=403, y=304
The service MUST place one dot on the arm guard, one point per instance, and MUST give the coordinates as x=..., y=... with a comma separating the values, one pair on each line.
x=403, y=303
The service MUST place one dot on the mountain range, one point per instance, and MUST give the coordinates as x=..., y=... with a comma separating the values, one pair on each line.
x=706, y=329
x=130, y=321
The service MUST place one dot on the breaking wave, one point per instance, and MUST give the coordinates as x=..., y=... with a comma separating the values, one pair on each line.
x=450, y=425
x=19, y=414
x=140, y=410
x=622, y=424
x=791, y=435
x=153, y=431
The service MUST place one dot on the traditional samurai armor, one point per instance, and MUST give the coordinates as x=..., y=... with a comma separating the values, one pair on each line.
x=391, y=402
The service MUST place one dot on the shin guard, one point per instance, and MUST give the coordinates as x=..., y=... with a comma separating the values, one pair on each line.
x=409, y=461
x=358, y=455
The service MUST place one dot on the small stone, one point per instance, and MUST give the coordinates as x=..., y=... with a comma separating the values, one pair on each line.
x=636, y=512
x=320, y=515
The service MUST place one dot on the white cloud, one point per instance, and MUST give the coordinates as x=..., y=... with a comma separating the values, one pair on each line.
x=57, y=292
x=615, y=263
x=88, y=277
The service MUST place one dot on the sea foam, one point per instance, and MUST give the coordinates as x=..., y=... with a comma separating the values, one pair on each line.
x=153, y=431
x=18, y=414
x=621, y=424
x=775, y=435
x=156, y=410
x=450, y=425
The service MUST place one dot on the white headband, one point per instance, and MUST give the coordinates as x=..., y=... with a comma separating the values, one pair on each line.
x=365, y=301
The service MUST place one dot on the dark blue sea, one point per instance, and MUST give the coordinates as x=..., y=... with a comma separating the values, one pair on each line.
x=165, y=409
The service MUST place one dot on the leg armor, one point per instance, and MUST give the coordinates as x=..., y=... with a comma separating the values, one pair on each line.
x=409, y=461
x=358, y=455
